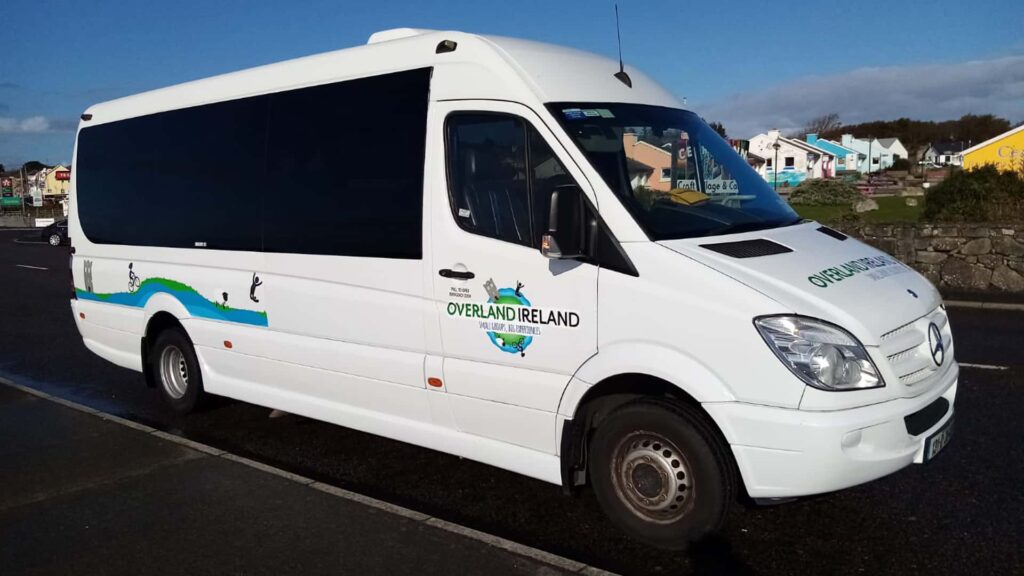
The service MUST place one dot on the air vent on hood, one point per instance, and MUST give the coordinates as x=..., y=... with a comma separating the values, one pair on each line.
x=748, y=248
x=833, y=233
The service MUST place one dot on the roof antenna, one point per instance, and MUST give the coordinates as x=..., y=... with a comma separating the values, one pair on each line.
x=621, y=74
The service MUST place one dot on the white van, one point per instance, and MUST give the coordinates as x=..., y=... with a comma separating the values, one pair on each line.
x=513, y=252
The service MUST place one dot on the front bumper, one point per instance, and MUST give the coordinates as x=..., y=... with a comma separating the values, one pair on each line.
x=783, y=453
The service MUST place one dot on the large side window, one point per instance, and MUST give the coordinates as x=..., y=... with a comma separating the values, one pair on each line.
x=185, y=178
x=501, y=176
x=334, y=169
x=346, y=167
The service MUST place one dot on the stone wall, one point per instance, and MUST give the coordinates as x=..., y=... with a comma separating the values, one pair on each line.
x=959, y=257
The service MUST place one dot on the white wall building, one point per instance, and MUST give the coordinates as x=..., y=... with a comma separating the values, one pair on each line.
x=797, y=161
x=878, y=156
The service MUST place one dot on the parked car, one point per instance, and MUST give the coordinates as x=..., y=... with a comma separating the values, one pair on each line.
x=56, y=233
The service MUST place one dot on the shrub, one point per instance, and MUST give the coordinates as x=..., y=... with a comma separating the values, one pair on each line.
x=824, y=193
x=980, y=195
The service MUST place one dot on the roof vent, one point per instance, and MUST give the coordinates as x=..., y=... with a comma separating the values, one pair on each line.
x=396, y=34
x=748, y=248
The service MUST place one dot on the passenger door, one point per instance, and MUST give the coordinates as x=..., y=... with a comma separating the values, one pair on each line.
x=515, y=325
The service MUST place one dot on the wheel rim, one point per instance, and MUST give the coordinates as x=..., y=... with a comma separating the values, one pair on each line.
x=652, y=477
x=54, y=240
x=174, y=372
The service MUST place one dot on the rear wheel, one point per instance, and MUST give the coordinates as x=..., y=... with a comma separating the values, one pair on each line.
x=660, y=473
x=55, y=240
x=174, y=363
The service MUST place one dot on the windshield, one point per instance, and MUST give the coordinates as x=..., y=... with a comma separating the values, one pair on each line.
x=675, y=174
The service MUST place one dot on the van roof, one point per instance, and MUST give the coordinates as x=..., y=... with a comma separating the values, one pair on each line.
x=484, y=67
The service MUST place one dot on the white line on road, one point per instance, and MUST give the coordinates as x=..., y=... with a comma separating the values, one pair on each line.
x=32, y=267
x=983, y=366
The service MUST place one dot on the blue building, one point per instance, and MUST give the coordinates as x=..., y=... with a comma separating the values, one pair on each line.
x=846, y=158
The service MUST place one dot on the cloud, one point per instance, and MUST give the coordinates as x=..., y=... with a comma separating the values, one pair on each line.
x=925, y=92
x=34, y=125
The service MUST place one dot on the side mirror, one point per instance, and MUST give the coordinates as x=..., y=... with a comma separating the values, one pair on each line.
x=565, y=237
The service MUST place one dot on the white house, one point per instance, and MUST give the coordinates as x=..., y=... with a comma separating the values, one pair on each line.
x=878, y=157
x=793, y=162
x=895, y=148
x=946, y=153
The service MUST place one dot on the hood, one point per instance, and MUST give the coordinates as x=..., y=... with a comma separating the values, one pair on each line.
x=815, y=271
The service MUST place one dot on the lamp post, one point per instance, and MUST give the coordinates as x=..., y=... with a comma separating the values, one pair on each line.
x=775, y=167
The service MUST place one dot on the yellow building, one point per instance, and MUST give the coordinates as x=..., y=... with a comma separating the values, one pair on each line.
x=56, y=183
x=1005, y=152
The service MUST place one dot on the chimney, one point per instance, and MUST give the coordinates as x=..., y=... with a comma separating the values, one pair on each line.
x=847, y=140
x=773, y=134
x=812, y=138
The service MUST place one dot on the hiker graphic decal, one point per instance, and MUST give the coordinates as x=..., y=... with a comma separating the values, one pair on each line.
x=256, y=283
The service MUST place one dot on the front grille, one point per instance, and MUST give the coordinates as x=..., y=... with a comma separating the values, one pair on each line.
x=906, y=348
x=919, y=422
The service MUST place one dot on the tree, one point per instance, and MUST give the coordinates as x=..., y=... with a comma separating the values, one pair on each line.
x=822, y=124
x=718, y=127
x=33, y=166
x=2, y=169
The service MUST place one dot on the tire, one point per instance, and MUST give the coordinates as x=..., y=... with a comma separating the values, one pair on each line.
x=55, y=240
x=661, y=473
x=176, y=370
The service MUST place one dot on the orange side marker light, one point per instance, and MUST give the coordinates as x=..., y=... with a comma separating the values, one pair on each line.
x=228, y=344
x=81, y=315
x=435, y=382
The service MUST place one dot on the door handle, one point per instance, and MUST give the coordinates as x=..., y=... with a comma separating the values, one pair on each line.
x=449, y=273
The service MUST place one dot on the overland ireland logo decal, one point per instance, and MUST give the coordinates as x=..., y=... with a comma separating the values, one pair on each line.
x=508, y=318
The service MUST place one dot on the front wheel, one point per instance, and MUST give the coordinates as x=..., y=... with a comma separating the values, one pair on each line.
x=661, y=473
x=174, y=363
x=55, y=240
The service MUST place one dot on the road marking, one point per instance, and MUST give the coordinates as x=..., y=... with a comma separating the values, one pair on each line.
x=31, y=267
x=983, y=366
x=482, y=537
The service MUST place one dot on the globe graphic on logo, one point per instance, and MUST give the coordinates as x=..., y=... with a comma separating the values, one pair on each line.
x=511, y=343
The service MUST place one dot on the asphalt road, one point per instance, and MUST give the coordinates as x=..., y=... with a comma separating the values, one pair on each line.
x=961, y=514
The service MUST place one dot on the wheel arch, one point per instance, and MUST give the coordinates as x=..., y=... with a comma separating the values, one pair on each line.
x=156, y=323
x=645, y=371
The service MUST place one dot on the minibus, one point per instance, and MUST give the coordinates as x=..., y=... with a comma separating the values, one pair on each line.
x=518, y=253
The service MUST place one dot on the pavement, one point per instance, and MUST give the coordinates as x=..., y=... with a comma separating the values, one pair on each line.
x=87, y=493
x=960, y=514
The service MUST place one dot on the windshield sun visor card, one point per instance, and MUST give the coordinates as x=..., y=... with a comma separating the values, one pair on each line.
x=573, y=114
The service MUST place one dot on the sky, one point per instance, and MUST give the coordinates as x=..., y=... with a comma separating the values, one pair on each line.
x=750, y=65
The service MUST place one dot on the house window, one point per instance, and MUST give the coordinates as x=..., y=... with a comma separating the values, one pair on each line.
x=768, y=162
x=666, y=174
x=790, y=161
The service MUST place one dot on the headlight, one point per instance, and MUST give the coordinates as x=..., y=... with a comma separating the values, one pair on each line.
x=821, y=354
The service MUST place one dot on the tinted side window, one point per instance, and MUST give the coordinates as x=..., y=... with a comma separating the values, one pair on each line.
x=184, y=178
x=488, y=176
x=346, y=167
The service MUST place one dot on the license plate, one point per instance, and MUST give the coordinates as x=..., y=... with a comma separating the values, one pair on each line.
x=937, y=441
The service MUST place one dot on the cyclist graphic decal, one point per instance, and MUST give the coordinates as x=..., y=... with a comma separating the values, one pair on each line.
x=133, y=278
